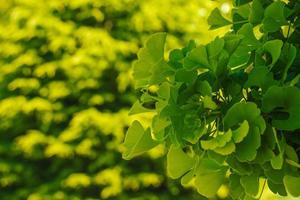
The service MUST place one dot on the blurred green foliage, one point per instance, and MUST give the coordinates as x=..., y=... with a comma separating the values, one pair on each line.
x=65, y=90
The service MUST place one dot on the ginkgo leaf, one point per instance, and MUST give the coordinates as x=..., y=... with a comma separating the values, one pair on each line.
x=292, y=185
x=137, y=141
x=193, y=136
x=232, y=41
x=242, y=168
x=236, y=190
x=273, y=47
x=209, y=177
x=248, y=43
x=216, y=20
x=247, y=149
x=229, y=148
x=178, y=162
x=187, y=178
x=262, y=77
x=277, y=161
x=285, y=100
x=215, y=48
x=274, y=17
x=277, y=188
x=164, y=91
x=289, y=53
x=239, y=112
x=291, y=153
x=240, y=2
x=240, y=133
x=138, y=108
x=203, y=87
x=150, y=68
x=209, y=103
x=185, y=76
x=158, y=127
x=218, y=141
x=257, y=12
x=250, y=184
x=197, y=58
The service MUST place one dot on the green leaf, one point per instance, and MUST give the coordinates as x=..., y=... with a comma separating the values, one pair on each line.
x=232, y=41
x=219, y=141
x=216, y=157
x=178, y=162
x=289, y=53
x=185, y=76
x=209, y=103
x=137, y=141
x=197, y=58
x=273, y=47
x=158, y=127
x=260, y=76
x=257, y=12
x=193, y=136
x=277, y=161
x=187, y=178
x=203, y=87
x=138, y=108
x=248, y=43
x=286, y=101
x=240, y=2
x=291, y=153
x=274, y=17
x=247, y=149
x=239, y=112
x=240, y=16
x=216, y=20
x=264, y=154
x=274, y=175
x=240, y=133
x=150, y=68
x=236, y=190
x=210, y=172
x=292, y=185
x=277, y=188
x=229, y=148
x=250, y=184
x=215, y=48
x=164, y=91
x=239, y=167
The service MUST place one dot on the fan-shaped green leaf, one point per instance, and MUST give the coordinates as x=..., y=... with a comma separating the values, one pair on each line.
x=274, y=17
x=216, y=20
x=138, y=108
x=250, y=184
x=197, y=58
x=150, y=68
x=273, y=47
x=178, y=162
x=247, y=149
x=292, y=185
x=257, y=12
x=287, y=101
x=209, y=177
x=218, y=141
x=229, y=148
x=137, y=141
x=240, y=133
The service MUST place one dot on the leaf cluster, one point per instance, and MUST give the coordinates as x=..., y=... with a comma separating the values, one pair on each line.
x=228, y=112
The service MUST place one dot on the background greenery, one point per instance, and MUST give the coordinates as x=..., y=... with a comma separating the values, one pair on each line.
x=65, y=89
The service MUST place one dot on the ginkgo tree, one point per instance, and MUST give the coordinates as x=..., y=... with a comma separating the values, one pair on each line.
x=229, y=111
